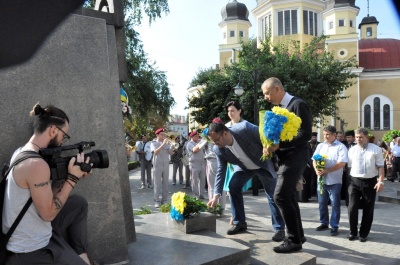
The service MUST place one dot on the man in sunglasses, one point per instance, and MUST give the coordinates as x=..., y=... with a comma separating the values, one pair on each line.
x=241, y=146
x=53, y=230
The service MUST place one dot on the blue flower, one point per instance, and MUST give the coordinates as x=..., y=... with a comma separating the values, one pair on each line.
x=273, y=126
x=318, y=157
x=175, y=214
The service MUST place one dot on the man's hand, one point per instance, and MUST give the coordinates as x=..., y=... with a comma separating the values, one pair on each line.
x=379, y=186
x=270, y=149
x=76, y=169
x=213, y=202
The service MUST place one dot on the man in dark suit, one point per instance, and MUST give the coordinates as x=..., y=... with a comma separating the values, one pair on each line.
x=293, y=156
x=241, y=146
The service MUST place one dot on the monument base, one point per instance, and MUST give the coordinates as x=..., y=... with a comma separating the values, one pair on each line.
x=202, y=221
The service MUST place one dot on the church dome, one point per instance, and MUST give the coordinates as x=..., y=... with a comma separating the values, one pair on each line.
x=368, y=20
x=379, y=54
x=234, y=11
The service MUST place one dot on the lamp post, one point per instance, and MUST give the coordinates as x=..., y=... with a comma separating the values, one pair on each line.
x=239, y=90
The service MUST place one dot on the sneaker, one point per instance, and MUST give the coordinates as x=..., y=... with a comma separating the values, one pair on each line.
x=322, y=227
x=279, y=236
x=142, y=187
x=157, y=205
x=287, y=246
x=334, y=231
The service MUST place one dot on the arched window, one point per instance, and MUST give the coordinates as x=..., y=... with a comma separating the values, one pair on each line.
x=377, y=113
x=367, y=116
x=386, y=117
x=377, y=120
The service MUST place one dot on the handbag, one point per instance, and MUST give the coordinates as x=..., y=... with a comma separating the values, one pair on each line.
x=6, y=169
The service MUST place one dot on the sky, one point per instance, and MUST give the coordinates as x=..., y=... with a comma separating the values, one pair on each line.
x=186, y=40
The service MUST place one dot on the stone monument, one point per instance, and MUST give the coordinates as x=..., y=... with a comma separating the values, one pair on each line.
x=79, y=67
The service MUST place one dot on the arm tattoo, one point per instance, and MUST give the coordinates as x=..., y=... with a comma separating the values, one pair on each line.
x=39, y=185
x=58, y=203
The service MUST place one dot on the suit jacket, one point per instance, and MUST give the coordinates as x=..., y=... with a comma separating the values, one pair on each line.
x=301, y=109
x=247, y=136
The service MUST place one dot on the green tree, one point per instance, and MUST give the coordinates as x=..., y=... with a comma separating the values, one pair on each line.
x=310, y=72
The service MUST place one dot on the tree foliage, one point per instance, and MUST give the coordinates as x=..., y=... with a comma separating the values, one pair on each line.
x=310, y=73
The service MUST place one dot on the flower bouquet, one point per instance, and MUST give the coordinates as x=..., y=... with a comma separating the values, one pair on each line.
x=183, y=206
x=320, y=161
x=277, y=125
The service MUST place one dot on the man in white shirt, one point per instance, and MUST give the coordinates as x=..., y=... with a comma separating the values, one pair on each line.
x=365, y=164
x=331, y=175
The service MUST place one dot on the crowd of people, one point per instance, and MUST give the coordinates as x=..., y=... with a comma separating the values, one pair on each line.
x=225, y=160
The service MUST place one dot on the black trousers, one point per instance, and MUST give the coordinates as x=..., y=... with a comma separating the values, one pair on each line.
x=68, y=241
x=291, y=168
x=395, y=168
x=363, y=188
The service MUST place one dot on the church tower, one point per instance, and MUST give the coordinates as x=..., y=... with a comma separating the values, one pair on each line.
x=340, y=25
x=234, y=26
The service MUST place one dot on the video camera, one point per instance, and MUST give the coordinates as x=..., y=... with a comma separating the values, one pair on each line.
x=59, y=164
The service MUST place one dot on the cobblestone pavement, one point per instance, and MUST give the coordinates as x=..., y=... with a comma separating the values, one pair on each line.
x=382, y=247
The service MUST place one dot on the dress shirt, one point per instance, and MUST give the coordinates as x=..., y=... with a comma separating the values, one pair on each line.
x=285, y=100
x=365, y=161
x=336, y=152
x=396, y=150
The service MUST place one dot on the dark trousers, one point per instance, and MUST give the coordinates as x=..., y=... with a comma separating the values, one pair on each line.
x=175, y=168
x=68, y=241
x=395, y=168
x=290, y=170
x=364, y=189
x=187, y=176
x=145, y=169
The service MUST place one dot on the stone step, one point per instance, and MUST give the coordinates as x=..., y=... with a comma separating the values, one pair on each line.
x=389, y=199
x=159, y=242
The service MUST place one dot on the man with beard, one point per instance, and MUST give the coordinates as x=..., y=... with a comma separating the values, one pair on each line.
x=54, y=216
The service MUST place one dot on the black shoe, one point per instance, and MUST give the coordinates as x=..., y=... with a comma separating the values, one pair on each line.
x=363, y=239
x=334, y=231
x=351, y=237
x=322, y=228
x=279, y=236
x=303, y=240
x=241, y=227
x=392, y=180
x=287, y=246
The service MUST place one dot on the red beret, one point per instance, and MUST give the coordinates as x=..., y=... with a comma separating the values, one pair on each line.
x=159, y=130
x=217, y=120
x=192, y=134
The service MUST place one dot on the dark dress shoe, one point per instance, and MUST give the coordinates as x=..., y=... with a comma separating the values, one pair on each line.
x=303, y=240
x=322, y=227
x=351, y=237
x=363, y=239
x=279, y=236
x=240, y=227
x=287, y=246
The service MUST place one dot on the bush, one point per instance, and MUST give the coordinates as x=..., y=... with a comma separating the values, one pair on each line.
x=133, y=164
x=143, y=210
x=388, y=137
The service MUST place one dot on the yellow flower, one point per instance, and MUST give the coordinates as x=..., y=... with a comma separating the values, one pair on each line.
x=178, y=201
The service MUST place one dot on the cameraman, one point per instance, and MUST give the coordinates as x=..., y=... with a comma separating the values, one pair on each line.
x=53, y=230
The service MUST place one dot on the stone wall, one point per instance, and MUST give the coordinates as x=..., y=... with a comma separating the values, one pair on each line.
x=76, y=69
